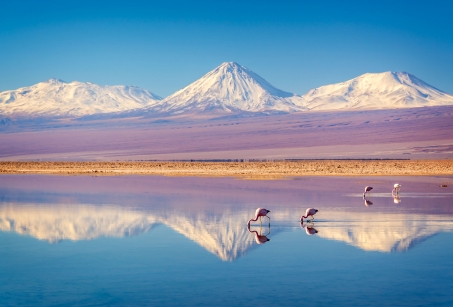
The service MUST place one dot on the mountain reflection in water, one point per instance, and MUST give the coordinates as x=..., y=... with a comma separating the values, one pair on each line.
x=224, y=232
x=383, y=232
x=76, y=222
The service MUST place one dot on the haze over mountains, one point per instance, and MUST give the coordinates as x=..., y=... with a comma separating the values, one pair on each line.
x=228, y=89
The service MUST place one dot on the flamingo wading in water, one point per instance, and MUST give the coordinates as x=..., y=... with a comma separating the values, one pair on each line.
x=367, y=189
x=260, y=212
x=396, y=188
x=309, y=212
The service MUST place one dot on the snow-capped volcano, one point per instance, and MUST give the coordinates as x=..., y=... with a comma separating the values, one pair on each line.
x=55, y=97
x=229, y=88
x=387, y=90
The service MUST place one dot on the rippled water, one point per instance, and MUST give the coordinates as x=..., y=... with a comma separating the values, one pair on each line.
x=158, y=241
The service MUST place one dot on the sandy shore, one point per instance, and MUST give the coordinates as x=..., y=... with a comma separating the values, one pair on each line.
x=245, y=170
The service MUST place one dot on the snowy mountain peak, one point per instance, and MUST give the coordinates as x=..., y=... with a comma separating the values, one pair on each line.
x=229, y=87
x=229, y=64
x=54, y=81
x=389, y=78
x=55, y=97
x=376, y=91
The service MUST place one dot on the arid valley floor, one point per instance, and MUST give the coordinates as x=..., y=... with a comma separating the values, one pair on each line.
x=419, y=133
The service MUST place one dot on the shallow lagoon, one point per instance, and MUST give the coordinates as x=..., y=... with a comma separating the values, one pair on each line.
x=125, y=241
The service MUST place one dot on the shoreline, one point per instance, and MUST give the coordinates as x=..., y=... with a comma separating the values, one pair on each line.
x=242, y=170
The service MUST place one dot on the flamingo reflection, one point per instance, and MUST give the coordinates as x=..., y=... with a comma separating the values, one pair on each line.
x=396, y=199
x=259, y=237
x=309, y=228
x=367, y=202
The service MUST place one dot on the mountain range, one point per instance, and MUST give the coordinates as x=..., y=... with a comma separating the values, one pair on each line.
x=228, y=89
x=55, y=97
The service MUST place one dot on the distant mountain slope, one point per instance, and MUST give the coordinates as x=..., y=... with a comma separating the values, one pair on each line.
x=58, y=98
x=387, y=90
x=228, y=88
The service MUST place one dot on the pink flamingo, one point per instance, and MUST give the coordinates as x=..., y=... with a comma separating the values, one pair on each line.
x=260, y=239
x=396, y=188
x=309, y=212
x=260, y=212
x=367, y=189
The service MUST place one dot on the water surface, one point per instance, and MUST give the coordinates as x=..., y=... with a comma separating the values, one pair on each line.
x=125, y=241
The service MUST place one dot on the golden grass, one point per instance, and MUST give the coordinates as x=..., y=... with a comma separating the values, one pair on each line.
x=244, y=170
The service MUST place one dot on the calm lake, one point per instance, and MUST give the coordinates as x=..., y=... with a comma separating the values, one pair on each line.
x=184, y=241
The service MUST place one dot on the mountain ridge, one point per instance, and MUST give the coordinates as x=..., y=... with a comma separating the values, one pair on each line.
x=228, y=90
x=55, y=97
x=376, y=91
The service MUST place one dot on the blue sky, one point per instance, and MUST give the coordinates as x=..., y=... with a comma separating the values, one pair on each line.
x=165, y=45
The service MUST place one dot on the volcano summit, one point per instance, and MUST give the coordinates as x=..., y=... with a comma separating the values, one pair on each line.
x=228, y=88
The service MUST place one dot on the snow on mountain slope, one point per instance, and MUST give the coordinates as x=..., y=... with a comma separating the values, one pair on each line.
x=387, y=90
x=228, y=88
x=58, y=98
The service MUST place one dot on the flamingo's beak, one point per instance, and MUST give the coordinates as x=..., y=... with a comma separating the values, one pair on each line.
x=316, y=210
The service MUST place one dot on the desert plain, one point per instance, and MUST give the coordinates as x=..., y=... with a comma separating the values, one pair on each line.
x=415, y=134
x=401, y=142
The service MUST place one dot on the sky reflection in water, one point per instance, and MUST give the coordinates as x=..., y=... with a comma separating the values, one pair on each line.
x=184, y=241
